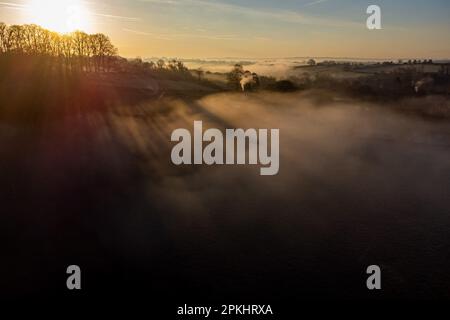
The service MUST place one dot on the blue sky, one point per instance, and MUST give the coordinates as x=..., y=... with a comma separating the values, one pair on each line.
x=262, y=28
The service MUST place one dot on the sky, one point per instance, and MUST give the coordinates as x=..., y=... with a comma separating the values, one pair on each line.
x=249, y=28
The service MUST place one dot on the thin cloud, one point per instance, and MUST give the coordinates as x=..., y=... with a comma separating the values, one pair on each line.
x=280, y=15
x=315, y=2
x=13, y=6
x=110, y=16
x=172, y=36
x=147, y=34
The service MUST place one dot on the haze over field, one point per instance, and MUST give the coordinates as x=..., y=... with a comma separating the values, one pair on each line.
x=357, y=183
x=85, y=140
x=280, y=68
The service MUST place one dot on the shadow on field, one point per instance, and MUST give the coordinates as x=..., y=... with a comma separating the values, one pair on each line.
x=358, y=185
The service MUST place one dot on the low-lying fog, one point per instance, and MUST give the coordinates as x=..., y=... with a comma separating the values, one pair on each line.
x=358, y=185
x=272, y=67
x=279, y=68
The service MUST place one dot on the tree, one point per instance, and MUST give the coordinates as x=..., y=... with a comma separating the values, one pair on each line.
x=172, y=65
x=101, y=50
x=161, y=64
x=81, y=48
x=88, y=52
x=15, y=38
x=67, y=50
x=199, y=72
x=234, y=77
x=3, y=35
x=181, y=67
x=311, y=62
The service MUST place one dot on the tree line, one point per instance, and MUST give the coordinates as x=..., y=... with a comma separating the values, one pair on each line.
x=88, y=52
x=138, y=65
x=76, y=51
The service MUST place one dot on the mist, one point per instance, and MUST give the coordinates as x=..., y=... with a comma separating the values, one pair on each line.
x=358, y=184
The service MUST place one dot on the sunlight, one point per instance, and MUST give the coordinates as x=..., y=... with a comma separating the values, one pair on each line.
x=59, y=15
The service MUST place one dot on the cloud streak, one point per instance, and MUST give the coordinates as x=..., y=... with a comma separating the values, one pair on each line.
x=315, y=2
x=173, y=36
x=11, y=5
x=110, y=16
x=279, y=15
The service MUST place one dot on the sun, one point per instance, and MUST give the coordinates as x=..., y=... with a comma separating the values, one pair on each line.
x=59, y=15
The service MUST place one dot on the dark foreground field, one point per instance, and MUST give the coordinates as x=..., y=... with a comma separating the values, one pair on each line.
x=358, y=185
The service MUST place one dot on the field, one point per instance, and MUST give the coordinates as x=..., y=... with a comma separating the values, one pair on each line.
x=224, y=159
x=360, y=181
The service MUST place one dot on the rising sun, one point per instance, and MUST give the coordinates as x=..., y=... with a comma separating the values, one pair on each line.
x=59, y=15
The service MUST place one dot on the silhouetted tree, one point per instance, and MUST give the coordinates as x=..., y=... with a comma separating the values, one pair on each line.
x=199, y=72
x=181, y=67
x=161, y=64
x=234, y=77
x=75, y=51
x=87, y=52
x=3, y=37
x=311, y=62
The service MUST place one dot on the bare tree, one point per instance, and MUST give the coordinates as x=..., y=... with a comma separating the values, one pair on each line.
x=161, y=64
x=311, y=62
x=87, y=52
x=199, y=72
x=3, y=40
x=15, y=38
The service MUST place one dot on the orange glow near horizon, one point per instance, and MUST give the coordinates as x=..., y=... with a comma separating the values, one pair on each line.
x=246, y=28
